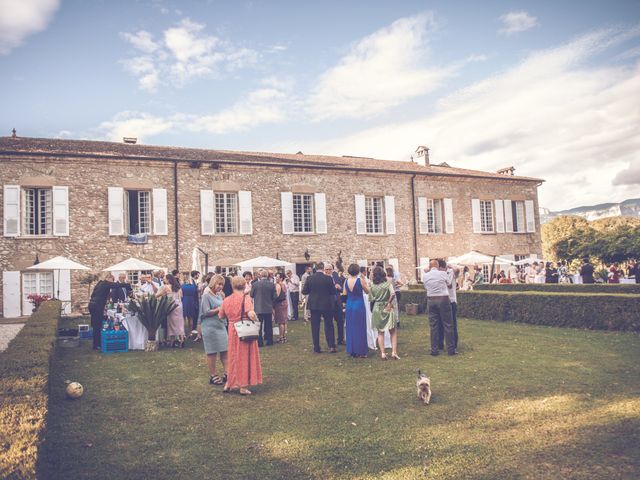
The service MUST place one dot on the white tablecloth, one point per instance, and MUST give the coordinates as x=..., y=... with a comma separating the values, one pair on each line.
x=627, y=280
x=539, y=279
x=137, y=332
x=577, y=278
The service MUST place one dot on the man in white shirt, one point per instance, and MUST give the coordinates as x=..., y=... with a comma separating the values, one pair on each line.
x=293, y=285
x=452, y=272
x=146, y=286
x=437, y=285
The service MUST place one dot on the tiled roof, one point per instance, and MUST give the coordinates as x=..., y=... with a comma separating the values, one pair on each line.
x=88, y=148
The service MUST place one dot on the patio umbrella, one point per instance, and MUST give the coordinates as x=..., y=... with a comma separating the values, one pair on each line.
x=132, y=265
x=473, y=257
x=261, y=262
x=58, y=263
x=528, y=260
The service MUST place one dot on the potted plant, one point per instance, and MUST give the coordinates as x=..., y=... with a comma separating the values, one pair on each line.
x=37, y=300
x=151, y=311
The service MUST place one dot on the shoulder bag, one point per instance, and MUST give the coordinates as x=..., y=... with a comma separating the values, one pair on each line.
x=248, y=330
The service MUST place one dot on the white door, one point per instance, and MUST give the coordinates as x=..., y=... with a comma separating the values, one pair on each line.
x=11, y=301
x=40, y=283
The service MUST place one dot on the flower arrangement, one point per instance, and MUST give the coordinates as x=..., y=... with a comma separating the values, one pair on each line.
x=37, y=300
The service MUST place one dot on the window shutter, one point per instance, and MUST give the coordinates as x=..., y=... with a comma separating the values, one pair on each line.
x=320, y=201
x=60, y=211
x=395, y=264
x=361, y=225
x=362, y=263
x=499, y=216
x=116, y=211
x=12, y=213
x=508, y=216
x=448, y=215
x=423, y=221
x=287, y=212
x=62, y=284
x=390, y=214
x=206, y=212
x=475, y=215
x=246, y=215
x=531, y=219
x=160, y=211
x=11, y=298
x=424, y=263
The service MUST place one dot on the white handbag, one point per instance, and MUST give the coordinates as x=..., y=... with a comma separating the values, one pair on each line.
x=247, y=330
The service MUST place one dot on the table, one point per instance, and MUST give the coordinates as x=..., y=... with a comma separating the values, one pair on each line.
x=138, y=334
x=628, y=280
x=577, y=278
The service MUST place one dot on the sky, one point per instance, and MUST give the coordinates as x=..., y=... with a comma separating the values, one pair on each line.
x=549, y=87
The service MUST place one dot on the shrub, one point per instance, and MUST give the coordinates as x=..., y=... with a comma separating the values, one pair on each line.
x=24, y=374
x=562, y=287
x=579, y=310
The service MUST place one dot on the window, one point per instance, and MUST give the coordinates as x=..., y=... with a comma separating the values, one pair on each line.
x=373, y=214
x=434, y=216
x=517, y=212
x=138, y=211
x=40, y=283
x=133, y=277
x=486, y=216
x=520, y=257
x=302, y=213
x=226, y=206
x=38, y=211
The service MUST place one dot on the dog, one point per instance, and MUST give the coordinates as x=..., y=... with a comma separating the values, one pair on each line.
x=423, y=388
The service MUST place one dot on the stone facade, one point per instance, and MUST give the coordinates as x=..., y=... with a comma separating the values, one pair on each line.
x=88, y=178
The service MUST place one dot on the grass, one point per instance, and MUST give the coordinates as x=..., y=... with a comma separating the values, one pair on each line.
x=520, y=401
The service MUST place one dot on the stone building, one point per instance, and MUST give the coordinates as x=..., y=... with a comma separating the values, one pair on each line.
x=100, y=202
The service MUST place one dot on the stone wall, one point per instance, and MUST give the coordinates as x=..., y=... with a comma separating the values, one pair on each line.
x=89, y=241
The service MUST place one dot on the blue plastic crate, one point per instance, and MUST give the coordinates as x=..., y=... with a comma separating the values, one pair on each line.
x=115, y=341
x=85, y=332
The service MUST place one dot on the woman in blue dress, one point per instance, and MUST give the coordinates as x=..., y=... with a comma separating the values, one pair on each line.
x=190, y=302
x=356, y=314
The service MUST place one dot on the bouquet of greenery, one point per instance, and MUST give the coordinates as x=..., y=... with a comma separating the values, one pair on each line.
x=151, y=311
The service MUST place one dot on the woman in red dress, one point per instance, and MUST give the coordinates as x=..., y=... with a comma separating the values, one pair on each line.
x=243, y=358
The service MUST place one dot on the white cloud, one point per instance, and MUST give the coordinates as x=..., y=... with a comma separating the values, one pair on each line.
x=551, y=117
x=515, y=22
x=383, y=70
x=21, y=18
x=183, y=53
x=268, y=104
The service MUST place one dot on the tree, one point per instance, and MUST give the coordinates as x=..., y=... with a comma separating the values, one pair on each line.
x=567, y=237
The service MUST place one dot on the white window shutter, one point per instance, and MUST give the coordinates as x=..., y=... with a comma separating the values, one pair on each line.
x=361, y=224
x=424, y=261
x=206, y=212
x=499, y=216
x=475, y=215
x=11, y=298
x=62, y=284
x=390, y=214
x=448, y=215
x=60, y=211
x=362, y=263
x=531, y=219
x=116, y=211
x=246, y=215
x=12, y=213
x=508, y=216
x=287, y=212
x=423, y=218
x=395, y=264
x=320, y=201
x=160, y=211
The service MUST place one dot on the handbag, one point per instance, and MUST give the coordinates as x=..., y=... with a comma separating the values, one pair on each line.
x=248, y=330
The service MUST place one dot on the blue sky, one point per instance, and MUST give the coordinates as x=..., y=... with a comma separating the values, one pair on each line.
x=552, y=88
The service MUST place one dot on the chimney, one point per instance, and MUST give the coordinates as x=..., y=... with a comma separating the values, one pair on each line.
x=422, y=153
x=130, y=140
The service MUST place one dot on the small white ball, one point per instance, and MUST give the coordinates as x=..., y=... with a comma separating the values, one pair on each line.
x=74, y=390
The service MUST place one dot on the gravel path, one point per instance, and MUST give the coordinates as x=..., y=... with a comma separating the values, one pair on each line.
x=7, y=332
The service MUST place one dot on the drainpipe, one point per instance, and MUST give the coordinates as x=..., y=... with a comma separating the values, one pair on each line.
x=415, y=230
x=175, y=212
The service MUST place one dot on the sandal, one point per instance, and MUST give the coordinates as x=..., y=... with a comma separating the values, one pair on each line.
x=215, y=380
x=244, y=391
x=383, y=356
x=395, y=356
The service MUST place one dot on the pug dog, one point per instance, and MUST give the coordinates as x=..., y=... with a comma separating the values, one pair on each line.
x=423, y=388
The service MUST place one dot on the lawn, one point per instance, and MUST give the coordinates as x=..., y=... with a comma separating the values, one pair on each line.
x=520, y=401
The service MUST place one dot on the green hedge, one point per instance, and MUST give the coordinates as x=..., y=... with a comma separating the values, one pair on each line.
x=24, y=374
x=562, y=287
x=580, y=310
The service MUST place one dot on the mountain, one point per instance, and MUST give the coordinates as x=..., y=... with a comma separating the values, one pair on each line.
x=630, y=208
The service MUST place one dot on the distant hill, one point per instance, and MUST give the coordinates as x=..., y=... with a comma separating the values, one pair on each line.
x=629, y=208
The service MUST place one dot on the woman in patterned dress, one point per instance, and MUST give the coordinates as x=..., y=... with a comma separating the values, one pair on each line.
x=281, y=307
x=382, y=294
x=212, y=329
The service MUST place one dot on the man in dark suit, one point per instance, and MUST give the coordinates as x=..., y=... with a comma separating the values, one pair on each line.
x=321, y=299
x=338, y=283
x=263, y=293
x=122, y=291
x=98, y=300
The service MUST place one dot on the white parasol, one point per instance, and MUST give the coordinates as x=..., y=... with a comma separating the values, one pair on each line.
x=527, y=261
x=473, y=257
x=132, y=265
x=59, y=263
x=261, y=262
